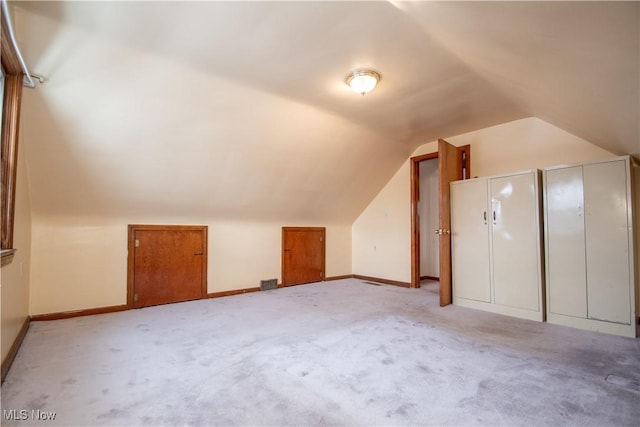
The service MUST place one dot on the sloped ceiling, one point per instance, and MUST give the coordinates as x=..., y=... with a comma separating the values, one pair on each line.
x=239, y=109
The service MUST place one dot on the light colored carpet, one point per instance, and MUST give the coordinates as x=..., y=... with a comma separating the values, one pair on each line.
x=334, y=353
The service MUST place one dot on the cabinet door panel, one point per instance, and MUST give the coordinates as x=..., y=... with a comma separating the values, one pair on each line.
x=470, y=241
x=566, y=266
x=607, y=242
x=515, y=237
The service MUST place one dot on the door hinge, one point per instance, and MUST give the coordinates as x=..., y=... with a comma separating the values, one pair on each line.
x=321, y=274
x=135, y=297
x=136, y=243
x=321, y=238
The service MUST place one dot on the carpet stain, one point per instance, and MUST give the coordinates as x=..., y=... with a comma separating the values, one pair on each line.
x=206, y=362
x=571, y=408
x=404, y=409
x=114, y=413
x=624, y=382
x=39, y=402
x=133, y=382
x=147, y=420
x=383, y=349
x=425, y=369
x=400, y=410
x=486, y=384
x=70, y=381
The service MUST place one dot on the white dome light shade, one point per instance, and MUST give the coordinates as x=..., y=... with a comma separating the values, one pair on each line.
x=363, y=81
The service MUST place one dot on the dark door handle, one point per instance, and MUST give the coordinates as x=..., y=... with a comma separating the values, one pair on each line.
x=287, y=250
x=199, y=253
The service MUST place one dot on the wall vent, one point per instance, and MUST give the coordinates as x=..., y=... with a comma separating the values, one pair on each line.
x=268, y=285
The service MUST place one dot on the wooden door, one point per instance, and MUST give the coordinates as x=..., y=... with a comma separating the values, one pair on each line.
x=459, y=157
x=166, y=264
x=303, y=255
x=449, y=169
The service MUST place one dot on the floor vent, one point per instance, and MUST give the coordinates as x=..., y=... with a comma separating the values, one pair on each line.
x=268, y=285
x=373, y=283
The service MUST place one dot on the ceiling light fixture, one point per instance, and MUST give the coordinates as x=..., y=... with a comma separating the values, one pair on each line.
x=363, y=81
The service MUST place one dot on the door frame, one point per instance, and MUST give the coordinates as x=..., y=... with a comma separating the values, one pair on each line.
x=131, y=254
x=324, y=249
x=415, y=225
x=415, y=197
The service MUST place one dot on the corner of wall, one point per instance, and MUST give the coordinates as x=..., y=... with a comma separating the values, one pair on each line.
x=382, y=233
x=16, y=276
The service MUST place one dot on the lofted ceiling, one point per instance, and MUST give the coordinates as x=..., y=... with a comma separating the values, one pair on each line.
x=240, y=110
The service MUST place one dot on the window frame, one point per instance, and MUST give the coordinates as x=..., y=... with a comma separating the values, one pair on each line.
x=11, y=103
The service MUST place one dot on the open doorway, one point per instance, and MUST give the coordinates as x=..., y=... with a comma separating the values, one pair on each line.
x=428, y=217
x=453, y=164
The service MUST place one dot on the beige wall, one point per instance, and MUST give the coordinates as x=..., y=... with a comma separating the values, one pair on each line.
x=382, y=233
x=380, y=237
x=156, y=146
x=15, y=276
x=81, y=263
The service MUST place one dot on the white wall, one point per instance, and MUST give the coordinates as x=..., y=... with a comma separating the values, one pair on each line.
x=429, y=218
x=15, y=276
x=81, y=263
x=382, y=233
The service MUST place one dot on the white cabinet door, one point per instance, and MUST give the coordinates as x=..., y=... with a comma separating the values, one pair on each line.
x=470, y=241
x=495, y=245
x=607, y=242
x=566, y=263
x=589, y=246
x=515, y=239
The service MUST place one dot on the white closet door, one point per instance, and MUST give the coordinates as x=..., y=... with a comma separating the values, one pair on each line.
x=470, y=241
x=516, y=280
x=607, y=242
x=566, y=263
